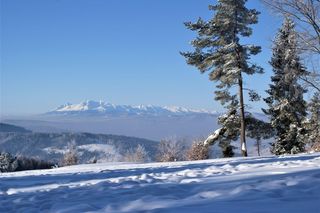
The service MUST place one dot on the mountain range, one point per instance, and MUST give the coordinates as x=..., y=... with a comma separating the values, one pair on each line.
x=100, y=108
x=144, y=121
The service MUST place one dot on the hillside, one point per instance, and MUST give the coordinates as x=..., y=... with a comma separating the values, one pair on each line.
x=12, y=128
x=269, y=184
x=52, y=146
x=150, y=127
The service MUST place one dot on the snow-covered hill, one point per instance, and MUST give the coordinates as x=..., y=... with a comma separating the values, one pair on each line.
x=270, y=184
x=52, y=146
x=100, y=108
x=12, y=128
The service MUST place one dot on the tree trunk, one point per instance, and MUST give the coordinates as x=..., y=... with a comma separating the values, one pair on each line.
x=242, y=116
x=242, y=120
x=258, y=146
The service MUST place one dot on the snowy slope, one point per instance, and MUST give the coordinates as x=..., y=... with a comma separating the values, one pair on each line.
x=52, y=146
x=269, y=184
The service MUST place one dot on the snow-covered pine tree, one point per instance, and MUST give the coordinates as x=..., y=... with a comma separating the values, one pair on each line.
x=8, y=163
x=218, y=50
x=286, y=106
x=314, y=122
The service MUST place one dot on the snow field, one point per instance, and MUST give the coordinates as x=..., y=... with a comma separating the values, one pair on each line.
x=269, y=184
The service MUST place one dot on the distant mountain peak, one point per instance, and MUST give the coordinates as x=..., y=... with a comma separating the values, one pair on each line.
x=101, y=108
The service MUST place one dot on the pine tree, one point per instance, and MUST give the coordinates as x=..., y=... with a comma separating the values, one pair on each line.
x=8, y=163
x=258, y=130
x=219, y=51
x=286, y=106
x=314, y=122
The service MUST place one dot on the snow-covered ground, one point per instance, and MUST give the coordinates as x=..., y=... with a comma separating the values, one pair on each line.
x=268, y=184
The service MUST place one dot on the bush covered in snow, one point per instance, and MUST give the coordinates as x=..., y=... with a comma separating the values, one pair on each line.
x=139, y=155
x=198, y=151
x=171, y=150
x=316, y=145
x=71, y=156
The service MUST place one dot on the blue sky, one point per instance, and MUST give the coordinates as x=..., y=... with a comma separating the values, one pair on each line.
x=120, y=51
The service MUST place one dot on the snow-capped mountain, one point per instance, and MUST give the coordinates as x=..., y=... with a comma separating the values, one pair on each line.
x=101, y=108
x=151, y=122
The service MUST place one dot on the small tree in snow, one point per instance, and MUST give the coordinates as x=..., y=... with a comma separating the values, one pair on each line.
x=139, y=154
x=71, y=156
x=258, y=130
x=198, y=151
x=170, y=150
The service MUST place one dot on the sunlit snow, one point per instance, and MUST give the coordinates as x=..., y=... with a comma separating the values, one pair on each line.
x=269, y=184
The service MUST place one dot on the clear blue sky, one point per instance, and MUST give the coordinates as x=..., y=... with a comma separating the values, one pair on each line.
x=120, y=51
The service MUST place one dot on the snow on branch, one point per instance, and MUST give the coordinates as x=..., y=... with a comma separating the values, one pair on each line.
x=214, y=137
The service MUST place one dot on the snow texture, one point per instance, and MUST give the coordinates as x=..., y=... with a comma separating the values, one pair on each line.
x=269, y=184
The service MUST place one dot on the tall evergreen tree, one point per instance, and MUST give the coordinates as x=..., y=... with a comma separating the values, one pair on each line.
x=218, y=50
x=286, y=106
